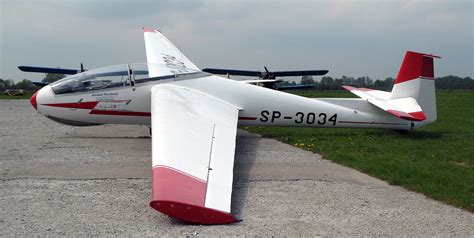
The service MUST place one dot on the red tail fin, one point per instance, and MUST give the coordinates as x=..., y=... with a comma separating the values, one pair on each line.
x=416, y=65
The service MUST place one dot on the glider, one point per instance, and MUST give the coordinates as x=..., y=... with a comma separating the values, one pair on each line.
x=194, y=117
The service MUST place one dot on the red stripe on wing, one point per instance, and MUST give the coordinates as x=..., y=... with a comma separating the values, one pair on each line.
x=173, y=185
x=350, y=88
x=183, y=196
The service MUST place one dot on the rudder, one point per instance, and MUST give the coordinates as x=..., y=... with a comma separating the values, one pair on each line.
x=416, y=79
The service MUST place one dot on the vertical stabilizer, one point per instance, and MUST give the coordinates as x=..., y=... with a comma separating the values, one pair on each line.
x=416, y=79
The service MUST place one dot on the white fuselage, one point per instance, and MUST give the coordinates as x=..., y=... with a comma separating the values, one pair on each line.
x=259, y=106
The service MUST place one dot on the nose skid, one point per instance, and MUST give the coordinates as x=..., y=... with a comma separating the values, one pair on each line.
x=33, y=100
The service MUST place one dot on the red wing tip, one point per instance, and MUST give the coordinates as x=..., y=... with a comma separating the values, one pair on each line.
x=147, y=29
x=192, y=213
x=348, y=88
x=412, y=116
x=419, y=116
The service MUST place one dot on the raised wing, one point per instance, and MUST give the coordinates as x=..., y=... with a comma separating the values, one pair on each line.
x=193, y=149
x=405, y=108
x=160, y=51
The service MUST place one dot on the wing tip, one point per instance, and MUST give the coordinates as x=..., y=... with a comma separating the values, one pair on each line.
x=148, y=29
x=193, y=213
x=348, y=88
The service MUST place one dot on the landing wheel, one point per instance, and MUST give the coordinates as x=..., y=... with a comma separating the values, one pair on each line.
x=403, y=132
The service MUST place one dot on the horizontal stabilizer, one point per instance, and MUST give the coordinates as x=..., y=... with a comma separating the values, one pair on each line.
x=367, y=93
x=405, y=108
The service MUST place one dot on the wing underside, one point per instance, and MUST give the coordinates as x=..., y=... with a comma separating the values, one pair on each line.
x=193, y=149
x=160, y=51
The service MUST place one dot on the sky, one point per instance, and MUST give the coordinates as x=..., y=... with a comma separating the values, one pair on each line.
x=353, y=38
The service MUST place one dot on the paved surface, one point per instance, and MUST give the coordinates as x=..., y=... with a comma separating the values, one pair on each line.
x=60, y=180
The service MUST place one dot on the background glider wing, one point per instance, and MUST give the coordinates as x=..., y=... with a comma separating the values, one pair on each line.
x=193, y=150
x=35, y=69
x=159, y=50
x=233, y=72
x=299, y=73
x=265, y=74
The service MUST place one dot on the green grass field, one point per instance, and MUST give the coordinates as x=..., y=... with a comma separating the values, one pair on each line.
x=436, y=160
x=27, y=95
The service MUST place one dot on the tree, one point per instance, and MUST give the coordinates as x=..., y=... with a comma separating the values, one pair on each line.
x=6, y=84
x=307, y=80
x=327, y=83
x=2, y=84
x=25, y=84
x=49, y=78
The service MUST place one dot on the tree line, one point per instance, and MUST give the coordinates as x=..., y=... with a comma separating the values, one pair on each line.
x=327, y=83
x=26, y=84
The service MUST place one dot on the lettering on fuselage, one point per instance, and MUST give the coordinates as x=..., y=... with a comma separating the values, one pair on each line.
x=105, y=96
x=309, y=118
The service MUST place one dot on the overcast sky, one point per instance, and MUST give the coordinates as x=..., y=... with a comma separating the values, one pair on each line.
x=355, y=38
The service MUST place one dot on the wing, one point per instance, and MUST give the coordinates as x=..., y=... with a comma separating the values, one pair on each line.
x=258, y=81
x=193, y=154
x=299, y=73
x=161, y=51
x=233, y=72
x=36, y=69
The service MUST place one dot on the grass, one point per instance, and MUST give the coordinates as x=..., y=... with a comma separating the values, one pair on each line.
x=436, y=160
x=27, y=95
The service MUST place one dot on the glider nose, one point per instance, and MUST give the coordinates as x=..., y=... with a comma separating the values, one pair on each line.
x=33, y=100
x=41, y=97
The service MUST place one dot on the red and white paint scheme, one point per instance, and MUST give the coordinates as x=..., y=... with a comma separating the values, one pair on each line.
x=194, y=117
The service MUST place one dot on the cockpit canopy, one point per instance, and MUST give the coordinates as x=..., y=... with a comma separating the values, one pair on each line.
x=117, y=76
x=101, y=78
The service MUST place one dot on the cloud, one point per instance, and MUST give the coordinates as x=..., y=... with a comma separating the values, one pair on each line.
x=347, y=37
